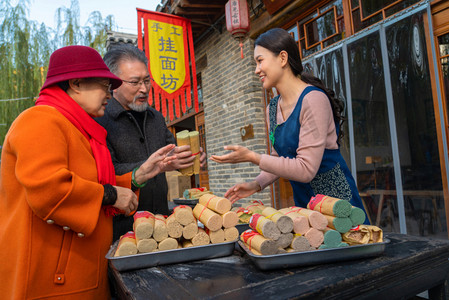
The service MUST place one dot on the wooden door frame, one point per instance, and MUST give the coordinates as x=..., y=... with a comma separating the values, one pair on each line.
x=439, y=28
x=200, y=119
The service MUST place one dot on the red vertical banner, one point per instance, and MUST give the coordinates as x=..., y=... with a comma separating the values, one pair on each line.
x=168, y=44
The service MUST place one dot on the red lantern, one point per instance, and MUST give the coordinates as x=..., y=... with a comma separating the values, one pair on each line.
x=237, y=19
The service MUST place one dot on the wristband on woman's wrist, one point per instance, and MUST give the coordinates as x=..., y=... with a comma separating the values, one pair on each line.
x=133, y=179
x=109, y=195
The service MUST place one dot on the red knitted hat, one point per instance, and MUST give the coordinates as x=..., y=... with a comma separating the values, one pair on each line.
x=77, y=62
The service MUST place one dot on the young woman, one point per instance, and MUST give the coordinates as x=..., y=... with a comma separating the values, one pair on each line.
x=304, y=123
x=58, y=187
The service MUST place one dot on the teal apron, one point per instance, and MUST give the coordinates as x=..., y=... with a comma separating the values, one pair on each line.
x=333, y=178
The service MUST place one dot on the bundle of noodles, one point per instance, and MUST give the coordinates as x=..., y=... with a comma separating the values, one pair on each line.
x=183, y=139
x=195, y=193
x=195, y=149
x=127, y=244
x=330, y=206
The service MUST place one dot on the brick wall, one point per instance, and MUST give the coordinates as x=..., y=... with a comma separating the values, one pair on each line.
x=233, y=98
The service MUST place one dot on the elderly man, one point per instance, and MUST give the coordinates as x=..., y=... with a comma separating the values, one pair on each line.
x=135, y=131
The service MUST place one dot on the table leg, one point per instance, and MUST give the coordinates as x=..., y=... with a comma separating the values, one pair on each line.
x=379, y=209
x=439, y=292
x=436, y=215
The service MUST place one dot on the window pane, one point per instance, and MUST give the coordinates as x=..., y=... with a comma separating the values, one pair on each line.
x=321, y=28
x=294, y=30
x=308, y=67
x=338, y=5
x=305, y=52
x=369, y=7
x=400, y=6
x=444, y=50
x=332, y=40
x=374, y=160
x=443, y=41
x=331, y=72
x=359, y=25
x=416, y=128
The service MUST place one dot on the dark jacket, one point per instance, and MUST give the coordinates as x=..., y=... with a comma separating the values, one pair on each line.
x=130, y=147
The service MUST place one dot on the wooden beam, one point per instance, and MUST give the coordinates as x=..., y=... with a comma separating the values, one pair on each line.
x=193, y=12
x=266, y=21
x=222, y=2
x=206, y=5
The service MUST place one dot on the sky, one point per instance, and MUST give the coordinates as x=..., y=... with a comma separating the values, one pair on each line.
x=124, y=11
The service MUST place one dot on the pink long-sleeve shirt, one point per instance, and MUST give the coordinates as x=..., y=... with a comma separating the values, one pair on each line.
x=317, y=133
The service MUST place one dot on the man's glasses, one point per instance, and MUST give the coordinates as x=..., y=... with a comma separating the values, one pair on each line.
x=135, y=83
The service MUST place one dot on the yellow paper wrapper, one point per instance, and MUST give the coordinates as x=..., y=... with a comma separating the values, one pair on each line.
x=195, y=148
x=376, y=234
x=357, y=236
x=182, y=139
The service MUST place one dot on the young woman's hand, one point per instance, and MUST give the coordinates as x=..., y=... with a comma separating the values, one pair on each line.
x=242, y=190
x=239, y=154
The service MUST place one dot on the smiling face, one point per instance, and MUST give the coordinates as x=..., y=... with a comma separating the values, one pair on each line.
x=93, y=95
x=133, y=93
x=269, y=67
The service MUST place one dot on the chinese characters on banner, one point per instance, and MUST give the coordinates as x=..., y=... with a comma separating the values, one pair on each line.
x=168, y=45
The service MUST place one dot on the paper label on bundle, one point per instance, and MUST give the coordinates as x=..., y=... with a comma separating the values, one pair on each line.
x=355, y=228
x=243, y=210
x=253, y=221
x=179, y=206
x=257, y=201
x=130, y=234
x=248, y=234
x=315, y=200
x=295, y=209
x=141, y=214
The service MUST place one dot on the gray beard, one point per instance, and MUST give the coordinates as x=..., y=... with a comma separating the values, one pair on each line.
x=138, y=107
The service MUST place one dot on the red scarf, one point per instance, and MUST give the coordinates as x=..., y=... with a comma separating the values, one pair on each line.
x=55, y=97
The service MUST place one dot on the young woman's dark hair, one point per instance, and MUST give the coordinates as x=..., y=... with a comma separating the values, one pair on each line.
x=277, y=40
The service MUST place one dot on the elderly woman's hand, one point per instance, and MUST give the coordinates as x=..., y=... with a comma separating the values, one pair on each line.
x=239, y=154
x=126, y=200
x=155, y=164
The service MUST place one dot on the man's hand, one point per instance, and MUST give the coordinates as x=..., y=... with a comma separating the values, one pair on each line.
x=184, y=158
x=155, y=164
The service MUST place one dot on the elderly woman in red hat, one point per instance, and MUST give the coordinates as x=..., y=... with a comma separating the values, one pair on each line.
x=58, y=187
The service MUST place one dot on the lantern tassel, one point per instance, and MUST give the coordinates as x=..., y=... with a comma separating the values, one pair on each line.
x=241, y=48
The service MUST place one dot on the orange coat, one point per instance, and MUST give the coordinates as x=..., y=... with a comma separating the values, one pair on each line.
x=54, y=234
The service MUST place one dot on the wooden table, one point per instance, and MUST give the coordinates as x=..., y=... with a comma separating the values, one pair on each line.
x=408, y=266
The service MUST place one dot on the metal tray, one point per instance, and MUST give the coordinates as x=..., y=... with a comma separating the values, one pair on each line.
x=297, y=259
x=182, y=201
x=242, y=227
x=147, y=260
